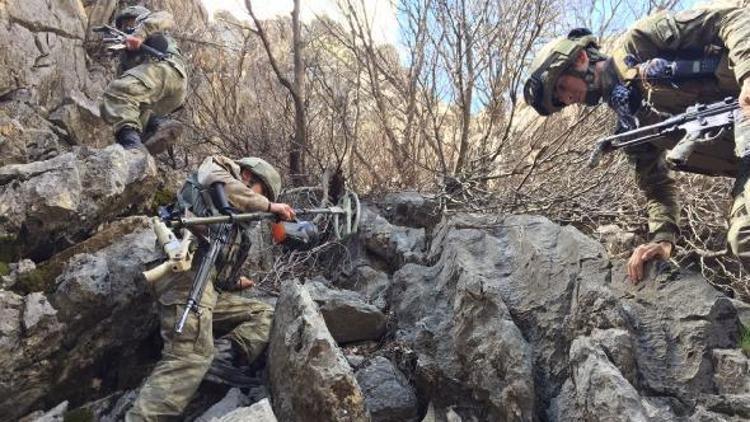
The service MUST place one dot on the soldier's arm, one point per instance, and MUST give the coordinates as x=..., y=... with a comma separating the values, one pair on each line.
x=152, y=23
x=652, y=177
x=723, y=23
x=239, y=195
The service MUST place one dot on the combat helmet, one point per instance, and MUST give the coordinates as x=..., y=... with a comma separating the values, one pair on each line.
x=265, y=172
x=555, y=58
x=130, y=12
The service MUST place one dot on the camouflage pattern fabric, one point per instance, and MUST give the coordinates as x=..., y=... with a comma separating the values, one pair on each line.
x=146, y=86
x=721, y=27
x=186, y=357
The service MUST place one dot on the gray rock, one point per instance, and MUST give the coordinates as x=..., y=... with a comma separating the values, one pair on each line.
x=25, y=134
x=395, y=245
x=39, y=316
x=16, y=269
x=731, y=371
x=42, y=49
x=601, y=392
x=79, y=117
x=11, y=308
x=411, y=209
x=517, y=316
x=56, y=414
x=743, y=312
x=388, y=395
x=347, y=315
x=373, y=285
x=97, y=310
x=232, y=401
x=111, y=408
x=62, y=199
x=310, y=378
x=258, y=412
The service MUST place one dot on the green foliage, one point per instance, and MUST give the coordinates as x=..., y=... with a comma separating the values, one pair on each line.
x=745, y=340
x=9, y=249
x=79, y=415
x=4, y=268
x=42, y=279
x=161, y=197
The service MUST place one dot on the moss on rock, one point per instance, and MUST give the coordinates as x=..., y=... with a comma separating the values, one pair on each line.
x=79, y=415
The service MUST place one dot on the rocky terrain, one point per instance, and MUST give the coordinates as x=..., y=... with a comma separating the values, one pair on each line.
x=430, y=317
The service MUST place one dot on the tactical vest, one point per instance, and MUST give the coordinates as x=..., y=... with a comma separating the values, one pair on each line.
x=195, y=198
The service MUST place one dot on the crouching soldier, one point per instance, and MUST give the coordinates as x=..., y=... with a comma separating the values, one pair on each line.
x=640, y=81
x=243, y=324
x=146, y=89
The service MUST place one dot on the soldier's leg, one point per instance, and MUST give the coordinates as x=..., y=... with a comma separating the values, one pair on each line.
x=185, y=357
x=128, y=97
x=161, y=132
x=738, y=236
x=247, y=321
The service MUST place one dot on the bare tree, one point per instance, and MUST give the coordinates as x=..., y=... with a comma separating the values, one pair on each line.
x=296, y=89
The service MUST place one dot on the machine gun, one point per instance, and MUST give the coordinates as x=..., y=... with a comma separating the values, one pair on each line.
x=701, y=124
x=112, y=35
x=222, y=230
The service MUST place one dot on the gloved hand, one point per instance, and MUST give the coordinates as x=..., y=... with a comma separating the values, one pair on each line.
x=655, y=70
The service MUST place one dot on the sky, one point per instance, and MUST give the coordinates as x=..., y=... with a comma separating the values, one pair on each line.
x=381, y=13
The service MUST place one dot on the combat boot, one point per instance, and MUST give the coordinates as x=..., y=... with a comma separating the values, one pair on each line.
x=129, y=138
x=226, y=367
x=160, y=133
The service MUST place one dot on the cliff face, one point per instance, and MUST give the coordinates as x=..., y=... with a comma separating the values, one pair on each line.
x=420, y=316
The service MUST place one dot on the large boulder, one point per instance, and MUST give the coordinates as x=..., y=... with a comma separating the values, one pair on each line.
x=393, y=245
x=65, y=345
x=348, y=317
x=310, y=377
x=48, y=205
x=521, y=319
x=25, y=134
x=388, y=395
x=42, y=49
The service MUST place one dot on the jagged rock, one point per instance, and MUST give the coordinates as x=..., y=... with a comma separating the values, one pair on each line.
x=42, y=48
x=108, y=409
x=347, y=316
x=395, y=245
x=79, y=117
x=388, y=395
x=103, y=314
x=743, y=311
x=517, y=315
x=25, y=135
x=372, y=284
x=411, y=209
x=232, y=401
x=731, y=371
x=310, y=378
x=258, y=412
x=40, y=318
x=16, y=269
x=48, y=204
x=56, y=414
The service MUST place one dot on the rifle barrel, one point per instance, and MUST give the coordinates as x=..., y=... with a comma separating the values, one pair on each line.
x=252, y=216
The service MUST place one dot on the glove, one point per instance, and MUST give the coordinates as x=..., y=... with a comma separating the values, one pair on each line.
x=655, y=69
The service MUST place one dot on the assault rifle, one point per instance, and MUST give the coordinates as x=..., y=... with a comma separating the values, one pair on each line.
x=112, y=35
x=701, y=123
x=222, y=230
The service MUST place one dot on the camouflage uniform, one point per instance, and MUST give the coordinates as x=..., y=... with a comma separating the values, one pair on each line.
x=146, y=87
x=725, y=25
x=247, y=323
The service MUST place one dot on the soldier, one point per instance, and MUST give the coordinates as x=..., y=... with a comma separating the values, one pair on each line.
x=633, y=82
x=251, y=184
x=147, y=89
